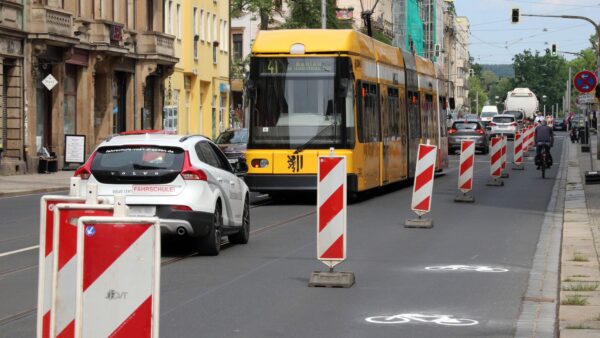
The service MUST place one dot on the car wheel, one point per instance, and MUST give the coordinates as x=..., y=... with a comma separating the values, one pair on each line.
x=243, y=235
x=210, y=244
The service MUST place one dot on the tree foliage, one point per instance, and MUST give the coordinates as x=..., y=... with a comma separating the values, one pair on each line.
x=307, y=14
x=543, y=74
x=476, y=94
x=264, y=8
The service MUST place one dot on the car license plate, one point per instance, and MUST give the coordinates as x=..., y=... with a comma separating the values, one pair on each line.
x=142, y=211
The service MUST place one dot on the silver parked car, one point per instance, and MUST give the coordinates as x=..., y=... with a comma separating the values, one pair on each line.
x=504, y=124
x=467, y=130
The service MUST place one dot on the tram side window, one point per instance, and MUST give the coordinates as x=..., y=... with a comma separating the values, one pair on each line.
x=393, y=109
x=427, y=114
x=414, y=123
x=368, y=114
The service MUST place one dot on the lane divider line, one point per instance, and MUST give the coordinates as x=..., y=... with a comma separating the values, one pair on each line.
x=4, y=254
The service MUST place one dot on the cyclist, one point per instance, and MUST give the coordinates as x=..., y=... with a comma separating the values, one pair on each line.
x=543, y=137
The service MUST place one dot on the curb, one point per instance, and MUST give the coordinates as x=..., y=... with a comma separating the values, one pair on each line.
x=33, y=191
x=539, y=308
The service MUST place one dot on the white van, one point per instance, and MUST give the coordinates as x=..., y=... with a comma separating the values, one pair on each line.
x=487, y=113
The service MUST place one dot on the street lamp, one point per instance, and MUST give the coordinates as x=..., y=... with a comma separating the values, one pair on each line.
x=544, y=100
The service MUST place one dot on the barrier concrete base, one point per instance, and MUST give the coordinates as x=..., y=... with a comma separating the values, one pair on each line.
x=331, y=279
x=464, y=198
x=495, y=182
x=422, y=223
x=585, y=148
x=504, y=175
x=518, y=167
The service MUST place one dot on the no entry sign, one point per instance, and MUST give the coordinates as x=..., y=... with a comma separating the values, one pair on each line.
x=585, y=81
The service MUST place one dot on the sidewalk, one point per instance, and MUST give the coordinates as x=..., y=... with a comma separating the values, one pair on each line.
x=579, y=309
x=16, y=185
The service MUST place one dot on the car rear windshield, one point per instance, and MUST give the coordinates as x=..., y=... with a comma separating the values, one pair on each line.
x=503, y=119
x=137, y=164
x=517, y=114
x=466, y=126
x=488, y=114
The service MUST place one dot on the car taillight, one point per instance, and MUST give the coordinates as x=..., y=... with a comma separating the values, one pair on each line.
x=493, y=124
x=479, y=131
x=190, y=173
x=85, y=171
x=259, y=163
x=514, y=124
x=181, y=208
x=452, y=131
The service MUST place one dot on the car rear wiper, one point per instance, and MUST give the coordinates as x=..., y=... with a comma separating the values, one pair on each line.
x=300, y=148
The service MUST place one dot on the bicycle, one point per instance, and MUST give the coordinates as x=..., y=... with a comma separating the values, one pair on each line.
x=416, y=317
x=544, y=162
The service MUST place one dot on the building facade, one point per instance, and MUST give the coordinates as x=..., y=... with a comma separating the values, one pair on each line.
x=455, y=53
x=12, y=87
x=87, y=68
x=197, y=93
x=382, y=19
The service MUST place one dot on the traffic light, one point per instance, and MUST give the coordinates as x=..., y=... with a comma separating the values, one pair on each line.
x=515, y=16
x=553, y=50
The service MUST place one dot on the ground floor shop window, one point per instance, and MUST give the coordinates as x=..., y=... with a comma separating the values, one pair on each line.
x=119, y=95
x=170, y=118
x=148, y=109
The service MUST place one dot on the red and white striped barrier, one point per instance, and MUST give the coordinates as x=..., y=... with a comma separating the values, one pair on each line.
x=465, y=171
x=118, y=277
x=331, y=210
x=495, y=162
x=46, y=260
x=518, y=152
x=64, y=276
x=423, y=185
x=504, y=174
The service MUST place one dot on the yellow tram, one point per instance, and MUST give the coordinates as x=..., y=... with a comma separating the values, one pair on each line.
x=312, y=90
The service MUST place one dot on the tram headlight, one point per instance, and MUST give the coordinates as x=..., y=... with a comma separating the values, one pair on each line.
x=259, y=163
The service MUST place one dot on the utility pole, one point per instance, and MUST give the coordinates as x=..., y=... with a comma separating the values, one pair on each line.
x=323, y=14
x=597, y=27
x=477, y=102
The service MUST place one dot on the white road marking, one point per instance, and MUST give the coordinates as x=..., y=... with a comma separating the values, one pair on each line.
x=446, y=320
x=478, y=268
x=18, y=251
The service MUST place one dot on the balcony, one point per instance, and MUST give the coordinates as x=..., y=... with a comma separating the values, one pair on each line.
x=52, y=24
x=107, y=36
x=156, y=45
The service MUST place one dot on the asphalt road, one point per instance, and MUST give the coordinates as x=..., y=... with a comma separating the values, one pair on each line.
x=260, y=289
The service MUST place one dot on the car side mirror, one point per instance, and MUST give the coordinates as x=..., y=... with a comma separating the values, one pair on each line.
x=241, y=167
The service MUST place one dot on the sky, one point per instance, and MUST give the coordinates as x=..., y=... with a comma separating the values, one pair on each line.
x=495, y=40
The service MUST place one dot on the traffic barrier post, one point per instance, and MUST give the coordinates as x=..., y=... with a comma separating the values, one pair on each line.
x=423, y=186
x=504, y=174
x=46, y=254
x=518, y=152
x=331, y=222
x=495, y=162
x=118, y=277
x=465, y=171
x=64, y=276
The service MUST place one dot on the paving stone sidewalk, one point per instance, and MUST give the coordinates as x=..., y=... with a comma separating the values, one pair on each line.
x=16, y=185
x=579, y=309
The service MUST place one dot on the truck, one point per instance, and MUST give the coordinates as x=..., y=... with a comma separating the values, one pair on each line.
x=522, y=99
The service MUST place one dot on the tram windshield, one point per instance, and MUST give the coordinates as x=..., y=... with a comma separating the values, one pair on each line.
x=300, y=102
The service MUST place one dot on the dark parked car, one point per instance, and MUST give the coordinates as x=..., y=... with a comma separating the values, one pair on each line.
x=559, y=124
x=233, y=142
x=468, y=130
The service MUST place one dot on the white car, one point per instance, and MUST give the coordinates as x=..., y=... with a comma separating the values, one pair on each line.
x=186, y=181
x=503, y=124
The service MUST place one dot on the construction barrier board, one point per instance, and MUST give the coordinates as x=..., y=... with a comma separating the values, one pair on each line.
x=46, y=259
x=424, y=173
x=331, y=210
x=467, y=159
x=64, y=272
x=118, y=277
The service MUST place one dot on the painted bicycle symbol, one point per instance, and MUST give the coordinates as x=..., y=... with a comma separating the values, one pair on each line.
x=478, y=268
x=403, y=318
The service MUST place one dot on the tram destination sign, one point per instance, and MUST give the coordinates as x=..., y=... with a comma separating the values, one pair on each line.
x=298, y=66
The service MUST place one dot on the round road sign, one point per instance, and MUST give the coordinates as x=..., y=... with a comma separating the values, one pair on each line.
x=585, y=81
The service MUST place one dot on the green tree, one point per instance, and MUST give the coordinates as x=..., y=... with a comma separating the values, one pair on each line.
x=488, y=80
x=264, y=8
x=503, y=86
x=307, y=14
x=543, y=74
x=476, y=94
